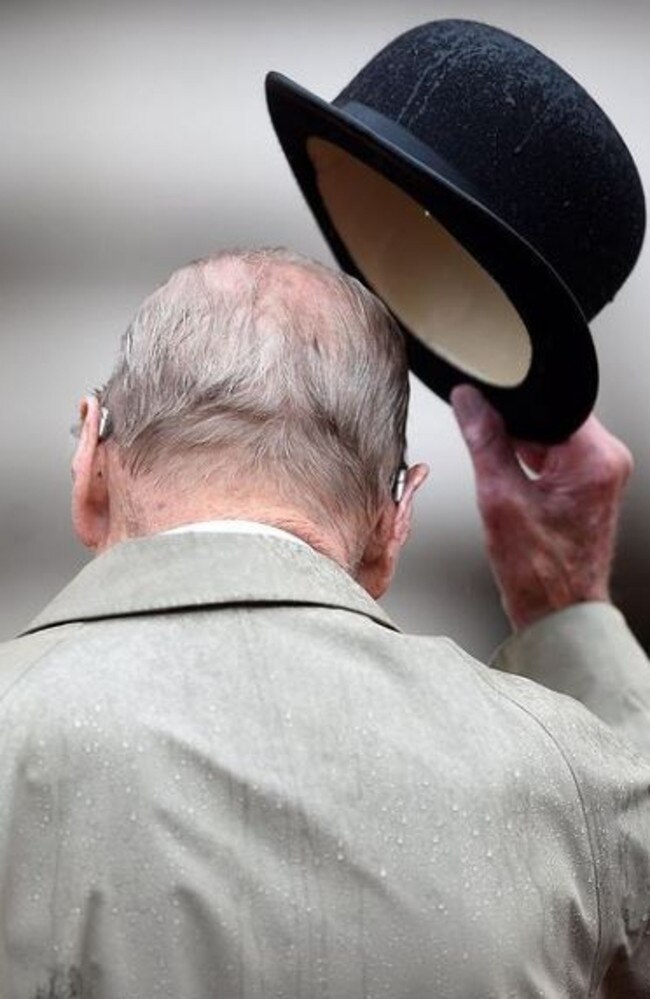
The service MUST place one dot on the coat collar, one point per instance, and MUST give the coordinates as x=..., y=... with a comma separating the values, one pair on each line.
x=184, y=571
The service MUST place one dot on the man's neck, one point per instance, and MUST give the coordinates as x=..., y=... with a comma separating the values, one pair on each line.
x=160, y=516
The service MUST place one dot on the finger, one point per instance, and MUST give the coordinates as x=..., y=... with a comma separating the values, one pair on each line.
x=593, y=451
x=490, y=448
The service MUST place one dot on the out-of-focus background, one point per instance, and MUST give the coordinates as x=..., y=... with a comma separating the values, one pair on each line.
x=135, y=137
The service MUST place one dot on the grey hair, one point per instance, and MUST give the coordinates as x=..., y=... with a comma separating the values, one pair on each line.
x=263, y=364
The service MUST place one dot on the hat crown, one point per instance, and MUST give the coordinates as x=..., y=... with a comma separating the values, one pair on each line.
x=524, y=133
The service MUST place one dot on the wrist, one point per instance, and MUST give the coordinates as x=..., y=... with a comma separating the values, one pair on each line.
x=523, y=613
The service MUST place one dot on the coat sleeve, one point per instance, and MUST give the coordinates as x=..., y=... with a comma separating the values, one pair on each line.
x=614, y=786
x=612, y=782
x=588, y=652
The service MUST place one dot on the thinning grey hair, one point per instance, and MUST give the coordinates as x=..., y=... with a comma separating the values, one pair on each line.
x=264, y=365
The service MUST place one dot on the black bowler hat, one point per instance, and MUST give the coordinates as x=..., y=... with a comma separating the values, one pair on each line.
x=481, y=192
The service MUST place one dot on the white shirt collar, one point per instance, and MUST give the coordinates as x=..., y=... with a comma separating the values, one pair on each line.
x=236, y=527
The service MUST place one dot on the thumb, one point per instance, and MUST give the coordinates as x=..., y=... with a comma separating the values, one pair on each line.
x=490, y=448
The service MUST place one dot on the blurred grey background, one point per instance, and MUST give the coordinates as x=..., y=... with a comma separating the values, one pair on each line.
x=135, y=137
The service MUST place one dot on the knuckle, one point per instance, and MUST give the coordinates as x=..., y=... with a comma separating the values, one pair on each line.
x=481, y=438
x=626, y=462
x=614, y=467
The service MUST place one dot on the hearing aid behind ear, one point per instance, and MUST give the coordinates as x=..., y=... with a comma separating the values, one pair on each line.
x=399, y=484
x=105, y=424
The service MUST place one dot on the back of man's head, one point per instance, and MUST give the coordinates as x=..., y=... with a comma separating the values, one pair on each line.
x=266, y=372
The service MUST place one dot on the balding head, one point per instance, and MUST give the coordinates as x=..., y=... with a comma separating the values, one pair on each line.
x=262, y=370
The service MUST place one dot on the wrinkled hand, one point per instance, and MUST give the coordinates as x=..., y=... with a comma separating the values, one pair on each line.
x=550, y=538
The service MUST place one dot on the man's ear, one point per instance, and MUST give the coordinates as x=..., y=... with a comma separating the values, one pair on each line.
x=90, y=506
x=388, y=536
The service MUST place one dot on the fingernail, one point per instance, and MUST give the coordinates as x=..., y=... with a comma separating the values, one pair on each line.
x=468, y=402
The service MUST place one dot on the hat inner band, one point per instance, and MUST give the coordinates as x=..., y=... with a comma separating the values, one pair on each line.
x=437, y=290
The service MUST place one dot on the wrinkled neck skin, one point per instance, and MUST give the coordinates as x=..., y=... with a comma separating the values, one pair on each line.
x=110, y=506
x=140, y=508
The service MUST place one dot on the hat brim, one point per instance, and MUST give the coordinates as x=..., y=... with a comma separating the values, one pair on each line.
x=559, y=390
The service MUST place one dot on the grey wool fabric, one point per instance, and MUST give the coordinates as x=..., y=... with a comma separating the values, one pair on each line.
x=226, y=774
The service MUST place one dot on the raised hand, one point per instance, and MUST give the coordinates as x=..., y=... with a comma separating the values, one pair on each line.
x=550, y=535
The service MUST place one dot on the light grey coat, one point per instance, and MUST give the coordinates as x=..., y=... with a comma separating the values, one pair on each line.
x=225, y=774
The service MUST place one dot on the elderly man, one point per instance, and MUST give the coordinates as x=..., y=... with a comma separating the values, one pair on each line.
x=225, y=772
